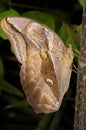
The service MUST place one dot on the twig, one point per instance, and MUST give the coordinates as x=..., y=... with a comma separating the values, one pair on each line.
x=80, y=106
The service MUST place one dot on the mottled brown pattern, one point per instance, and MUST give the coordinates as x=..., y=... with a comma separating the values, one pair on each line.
x=45, y=62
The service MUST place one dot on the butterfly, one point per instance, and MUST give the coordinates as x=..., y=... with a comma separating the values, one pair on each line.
x=46, y=62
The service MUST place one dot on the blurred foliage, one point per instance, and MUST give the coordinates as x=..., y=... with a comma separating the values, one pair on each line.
x=81, y=2
x=65, y=19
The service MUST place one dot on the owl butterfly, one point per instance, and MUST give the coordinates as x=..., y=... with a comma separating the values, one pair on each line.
x=45, y=62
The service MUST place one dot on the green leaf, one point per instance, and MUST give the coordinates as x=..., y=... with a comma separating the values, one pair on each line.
x=81, y=2
x=7, y=13
x=17, y=103
x=10, y=12
x=8, y=88
x=45, y=18
x=69, y=36
x=1, y=69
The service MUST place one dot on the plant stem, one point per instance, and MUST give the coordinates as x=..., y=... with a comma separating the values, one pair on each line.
x=80, y=105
